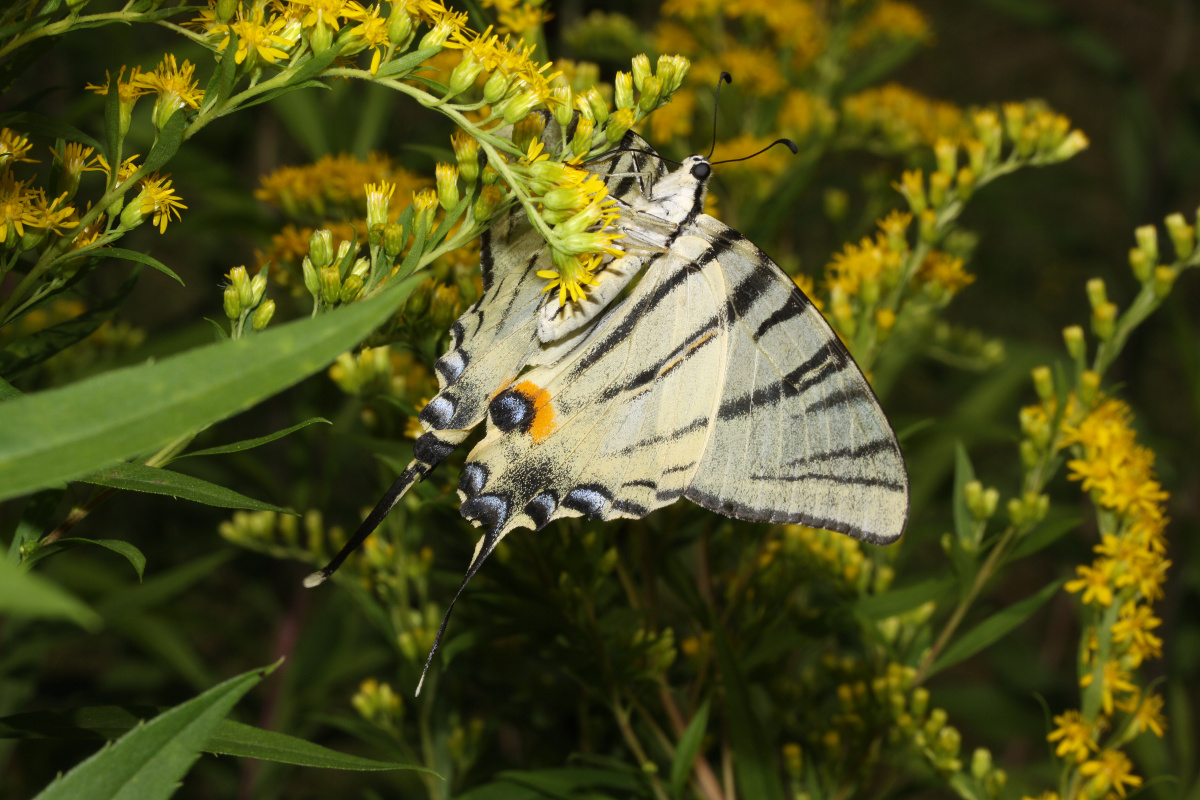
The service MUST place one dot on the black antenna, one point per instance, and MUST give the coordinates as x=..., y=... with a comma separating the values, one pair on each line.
x=725, y=78
x=790, y=144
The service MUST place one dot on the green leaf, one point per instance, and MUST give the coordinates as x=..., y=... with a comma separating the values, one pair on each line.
x=47, y=127
x=688, y=747
x=993, y=628
x=148, y=762
x=23, y=594
x=141, y=258
x=166, y=144
x=35, y=521
x=112, y=124
x=8, y=391
x=753, y=755
x=155, y=480
x=898, y=601
x=410, y=61
x=66, y=433
x=1046, y=533
x=277, y=93
x=38, y=347
x=221, y=335
x=131, y=553
x=247, y=444
x=230, y=738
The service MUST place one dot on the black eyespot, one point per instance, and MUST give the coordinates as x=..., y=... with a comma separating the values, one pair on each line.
x=511, y=410
x=701, y=171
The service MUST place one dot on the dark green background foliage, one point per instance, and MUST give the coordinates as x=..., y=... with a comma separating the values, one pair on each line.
x=1127, y=72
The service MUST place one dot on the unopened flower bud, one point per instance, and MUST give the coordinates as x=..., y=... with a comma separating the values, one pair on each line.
x=258, y=288
x=671, y=71
x=623, y=90
x=581, y=144
x=1164, y=279
x=466, y=152
x=561, y=105
x=495, y=87
x=946, y=152
x=1141, y=266
x=1096, y=292
x=447, y=185
x=262, y=315
x=488, y=202
x=320, y=248
x=619, y=125
x=320, y=39
x=1075, y=142
x=351, y=288
x=1183, y=236
x=1147, y=240
x=233, y=307
x=393, y=240
x=1075, y=342
x=1104, y=317
x=517, y=107
x=939, y=185
x=965, y=183
x=596, y=102
x=1089, y=386
x=1043, y=382
x=311, y=281
x=651, y=92
x=463, y=76
x=401, y=27
x=331, y=284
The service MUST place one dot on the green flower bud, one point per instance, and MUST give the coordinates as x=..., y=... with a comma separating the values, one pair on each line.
x=561, y=105
x=1147, y=239
x=619, y=125
x=466, y=152
x=651, y=91
x=233, y=307
x=623, y=89
x=331, y=284
x=495, y=87
x=463, y=76
x=321, y=38
x=262, y=315
x=393, y=240
x=641, y=70
x=1164, y=279
x=351, y=288
x=671, y=71
x=1076, y=345
x=1183, y=236
x=596, y=103
x=447, y=185
x=1097, y=296
x=488, y=202
x=320, y=248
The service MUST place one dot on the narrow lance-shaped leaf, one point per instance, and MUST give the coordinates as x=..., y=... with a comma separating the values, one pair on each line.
x=993, y=628
x=148, y=762
x=45, y=438
x=155, y=480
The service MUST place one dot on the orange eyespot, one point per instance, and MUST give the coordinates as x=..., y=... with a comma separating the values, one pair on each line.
x=543, y=413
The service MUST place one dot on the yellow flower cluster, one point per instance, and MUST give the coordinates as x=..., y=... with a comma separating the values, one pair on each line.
x=891, y=20
x=1126, y=577
x=333, y=185
x=27, y=214
x=894, y=118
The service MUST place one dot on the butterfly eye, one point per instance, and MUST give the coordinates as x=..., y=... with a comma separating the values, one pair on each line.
x=701, y=171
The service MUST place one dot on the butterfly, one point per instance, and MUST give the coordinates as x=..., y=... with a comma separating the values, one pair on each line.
x=695, y=369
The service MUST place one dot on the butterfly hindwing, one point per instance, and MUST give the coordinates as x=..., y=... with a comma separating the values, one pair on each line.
x=798, y=435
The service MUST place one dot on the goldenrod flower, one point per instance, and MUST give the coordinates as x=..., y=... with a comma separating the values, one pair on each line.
x=16, y=208
x=946, y=271
x=371, y=31
x=47, y=215
x=1074, y=736
x=258, y=37
x=175, y=87
x=1147, y=714
x=1114, y=678
x=891, y=20
x=570, y=274
x=901, y=117
x=1111, y=771
x=13, y=148
x=1096, y=583
x=156, y=198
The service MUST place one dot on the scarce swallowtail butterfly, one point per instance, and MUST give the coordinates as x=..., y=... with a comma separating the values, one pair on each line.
x=695, y=368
